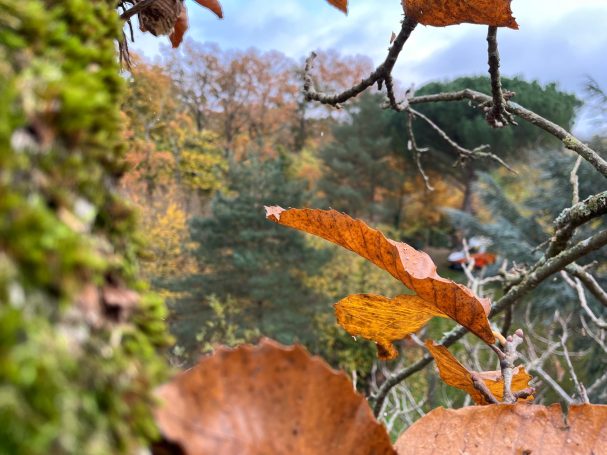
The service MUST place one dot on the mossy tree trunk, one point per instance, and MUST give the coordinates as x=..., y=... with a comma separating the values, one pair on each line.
x=80, y=334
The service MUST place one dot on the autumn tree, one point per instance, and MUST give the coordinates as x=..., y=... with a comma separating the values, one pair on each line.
x=248, y=97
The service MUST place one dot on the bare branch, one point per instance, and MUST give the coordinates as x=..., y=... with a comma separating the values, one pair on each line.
x=590, y=282
x=497, y=116
x=581, y=390
x=417, y=152
x=579, y=289
x=573, y=217
x=568, y=140
x=463, y=153
x=598, y=384
x=480, y=385
x=381, y=74
x=573, y=179
x=507, y=359
x=136, y=9
x=542, y=270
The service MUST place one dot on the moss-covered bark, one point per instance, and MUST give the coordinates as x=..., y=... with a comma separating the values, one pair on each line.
x=80, y=334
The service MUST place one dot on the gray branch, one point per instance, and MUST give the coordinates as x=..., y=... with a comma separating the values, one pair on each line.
x=381, y=74
x=542, y=270
x=568, y=140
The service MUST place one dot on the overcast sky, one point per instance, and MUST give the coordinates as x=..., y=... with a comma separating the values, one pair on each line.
x=559, y=40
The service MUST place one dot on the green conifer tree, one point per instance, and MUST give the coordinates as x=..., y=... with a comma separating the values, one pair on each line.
x=362, y=170
x=244, y=257
x=469, y=129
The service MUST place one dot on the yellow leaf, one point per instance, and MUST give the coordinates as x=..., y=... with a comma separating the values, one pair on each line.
x=384, y=320
x=456, y=375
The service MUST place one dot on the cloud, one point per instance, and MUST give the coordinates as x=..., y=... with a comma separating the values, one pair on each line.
x=559, y=40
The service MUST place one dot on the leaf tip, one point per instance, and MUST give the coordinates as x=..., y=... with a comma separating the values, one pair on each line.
x=386, y=350
x=213, y=5
x=273, y=212
x=341, y=5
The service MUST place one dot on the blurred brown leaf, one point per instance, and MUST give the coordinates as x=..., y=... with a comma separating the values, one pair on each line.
x=451, y=12
x=413, y=268
x=456, y=375
x=507, y=429
x=384, y=320
x=181, y=25
x=341, y=5
x=267, y=399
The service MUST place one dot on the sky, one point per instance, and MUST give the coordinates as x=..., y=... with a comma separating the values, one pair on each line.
x=559, y=41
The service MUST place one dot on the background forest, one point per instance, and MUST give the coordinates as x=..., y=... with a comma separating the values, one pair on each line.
x=135, y=237
x=214, y=135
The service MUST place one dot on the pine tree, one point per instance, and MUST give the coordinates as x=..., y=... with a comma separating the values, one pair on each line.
x=363, y=174
x=469, y=129
x=244, y=257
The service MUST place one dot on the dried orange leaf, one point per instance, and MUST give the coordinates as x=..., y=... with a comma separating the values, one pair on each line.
x=384, y=320
x=456, y=375
x=413, y=268
x=341, y=5
x=180, y=27
x=267, y=399
x=213, y=5
x=507, y=429
x=451, y=12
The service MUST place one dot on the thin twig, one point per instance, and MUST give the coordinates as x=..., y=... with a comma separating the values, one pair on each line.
x=573, y=179
x=538, y=273
x=598, y=384
x=568, y=140
x=589, y=282
x=463, y=153
x=480, y=385
x=417, y=152
x=136, y=9
x=581, y=390
x=579, y=289
x=381, y=73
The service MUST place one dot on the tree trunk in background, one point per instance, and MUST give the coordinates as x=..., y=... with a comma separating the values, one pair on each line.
x=467, y=203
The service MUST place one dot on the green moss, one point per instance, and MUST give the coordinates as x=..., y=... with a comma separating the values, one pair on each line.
x=67, y=386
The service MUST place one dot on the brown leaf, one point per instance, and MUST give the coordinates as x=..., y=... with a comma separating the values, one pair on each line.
x=341, y=5
x=451, y=12
x=507, y=429
x=267, y=399
x=180, y=27
x=213, y=5
x=413, y=268
x=384, y=320
x=456, y=375
x=160, y=17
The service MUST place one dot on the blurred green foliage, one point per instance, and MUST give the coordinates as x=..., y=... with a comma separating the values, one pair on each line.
x=68, y=385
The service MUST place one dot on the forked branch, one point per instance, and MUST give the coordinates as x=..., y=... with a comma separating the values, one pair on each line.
x=382, y=74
